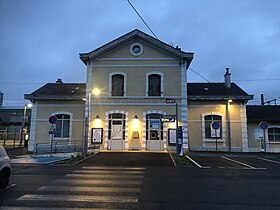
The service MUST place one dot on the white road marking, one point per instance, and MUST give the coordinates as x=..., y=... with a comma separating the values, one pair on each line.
x=113, y=168
x=107, y=172
x=241, y=163
x=273, y=161
x=197, y=164
x=105, y=176
x=80, y=198
x=97, y=182
x=93, y=189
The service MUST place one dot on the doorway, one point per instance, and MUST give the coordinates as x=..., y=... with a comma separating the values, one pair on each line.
x=154, y=132
x=116, y=132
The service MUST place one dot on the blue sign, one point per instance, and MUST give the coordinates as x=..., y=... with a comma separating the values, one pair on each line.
x=263, y=125
x=52, y=119
x=215, y=125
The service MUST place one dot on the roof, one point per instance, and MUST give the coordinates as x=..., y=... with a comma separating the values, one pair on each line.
x=186, y=56
x=216, y=91
x=59, y=91
x=263, y=113
x=196, y=91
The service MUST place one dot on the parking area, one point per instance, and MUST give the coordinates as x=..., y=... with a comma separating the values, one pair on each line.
x=235, y=161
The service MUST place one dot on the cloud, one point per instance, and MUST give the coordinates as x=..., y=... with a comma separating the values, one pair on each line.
x=41, y=40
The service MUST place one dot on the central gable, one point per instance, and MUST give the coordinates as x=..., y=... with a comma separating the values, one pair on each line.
x=129, y=46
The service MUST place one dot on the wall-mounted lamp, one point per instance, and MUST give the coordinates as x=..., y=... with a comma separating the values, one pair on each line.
x=97, y=117
x=229, y=100
x=135, y=123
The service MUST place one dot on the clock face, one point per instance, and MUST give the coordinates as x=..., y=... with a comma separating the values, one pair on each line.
x=136, y=49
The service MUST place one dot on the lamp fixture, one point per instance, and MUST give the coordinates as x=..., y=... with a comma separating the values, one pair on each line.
x=97, y=117
x=135, y=117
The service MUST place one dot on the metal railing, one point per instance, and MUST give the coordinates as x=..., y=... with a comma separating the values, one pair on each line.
x=11, y=139
x=61, y=146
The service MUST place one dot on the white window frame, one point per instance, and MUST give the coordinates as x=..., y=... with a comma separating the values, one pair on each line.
x=111, y=80
x=272, y=142
x=70, y=126
x=203, y=135
x=161, y=83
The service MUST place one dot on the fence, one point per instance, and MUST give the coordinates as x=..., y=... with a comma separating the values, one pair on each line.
x=10, y=139
x=59, y=147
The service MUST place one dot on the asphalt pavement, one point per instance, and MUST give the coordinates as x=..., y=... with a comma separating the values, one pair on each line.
x=131, y=159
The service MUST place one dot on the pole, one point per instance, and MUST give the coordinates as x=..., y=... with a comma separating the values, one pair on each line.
x=264, y=141
x=229, y=130
x=177, y=147
x=52, y=133
x=216, y=140
x=22, y=125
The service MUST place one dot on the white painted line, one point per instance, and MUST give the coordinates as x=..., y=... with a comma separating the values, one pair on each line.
x=241, y=163
x=273, y=161
x=197, y=164
x=97, y=182
x=79, y=198
x=112, y=168
x=109, y=176
x=98, y=172
x=93, y=189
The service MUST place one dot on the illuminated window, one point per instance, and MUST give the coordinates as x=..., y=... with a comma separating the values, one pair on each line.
x=154, y=127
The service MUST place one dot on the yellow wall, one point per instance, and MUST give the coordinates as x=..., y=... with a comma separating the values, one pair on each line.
x=196, y=109
x=45, y=110
x=136, y=69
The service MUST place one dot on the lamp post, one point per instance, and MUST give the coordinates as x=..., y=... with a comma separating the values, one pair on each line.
x=95, y=92
x=23, y=125
x=228, y=124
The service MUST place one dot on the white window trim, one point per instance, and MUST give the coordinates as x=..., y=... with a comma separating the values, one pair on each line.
x=70, y=126
x=206, y=140
x=272, y=142
x=161, y=83
x=125, y=82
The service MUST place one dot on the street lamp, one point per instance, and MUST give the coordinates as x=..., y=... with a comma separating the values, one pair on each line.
x=95, y=92
x=23, y=125
x=228, y=124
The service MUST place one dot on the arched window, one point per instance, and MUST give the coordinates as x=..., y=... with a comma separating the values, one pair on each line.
x=274, y=134
x=209, y=131
x=154, y=85
x=117, y=83
x=62, y=126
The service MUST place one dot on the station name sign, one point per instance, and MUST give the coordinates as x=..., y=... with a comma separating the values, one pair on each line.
x=168, y=118
x=170, y=100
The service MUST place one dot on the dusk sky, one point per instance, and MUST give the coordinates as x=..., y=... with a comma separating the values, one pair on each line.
x=40, y=40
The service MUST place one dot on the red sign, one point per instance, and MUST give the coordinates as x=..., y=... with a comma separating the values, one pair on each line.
x=263, y=125
x=52, y=119
x=170, y=100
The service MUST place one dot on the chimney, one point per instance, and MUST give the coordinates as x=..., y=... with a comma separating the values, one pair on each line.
x=59, y=81
x=227, y=78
